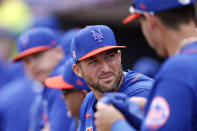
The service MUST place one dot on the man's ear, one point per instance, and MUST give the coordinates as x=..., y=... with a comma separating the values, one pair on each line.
x=119, y=52
x=152, y=20
x=85, y=92
x=77, y=70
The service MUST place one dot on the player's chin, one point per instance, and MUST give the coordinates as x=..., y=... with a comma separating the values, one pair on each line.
x=109, y=87
x=161, y=52
x=41, y=78
x=106, y=84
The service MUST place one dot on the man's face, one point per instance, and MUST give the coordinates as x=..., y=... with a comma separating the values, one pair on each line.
x=73, y=101
x=40, y=65
x=102, y=72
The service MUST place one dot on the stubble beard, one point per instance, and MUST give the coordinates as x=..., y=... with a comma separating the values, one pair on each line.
x=102, y=89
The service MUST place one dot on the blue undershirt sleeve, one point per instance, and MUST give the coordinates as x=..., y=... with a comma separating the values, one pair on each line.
x=122, y=125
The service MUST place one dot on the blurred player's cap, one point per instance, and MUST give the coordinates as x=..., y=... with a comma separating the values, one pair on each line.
x=139, y=7
x=93, y=40
x=69, y=80
x=47, y=21
x=147, y=66
x=35, y=40
x=66, y=40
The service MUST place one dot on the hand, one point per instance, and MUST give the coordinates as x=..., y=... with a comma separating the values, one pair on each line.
x=105, y=116
x=46, y=128
x=141, y=101
x=129, y=109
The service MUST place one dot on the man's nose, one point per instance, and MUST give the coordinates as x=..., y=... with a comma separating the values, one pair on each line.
x=32, y=64
x=105, y=66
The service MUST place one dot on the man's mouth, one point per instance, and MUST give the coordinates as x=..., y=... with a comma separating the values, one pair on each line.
x=106, y=78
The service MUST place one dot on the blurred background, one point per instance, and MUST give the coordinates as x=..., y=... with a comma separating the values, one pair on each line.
x=21, y=97
x=18, y=15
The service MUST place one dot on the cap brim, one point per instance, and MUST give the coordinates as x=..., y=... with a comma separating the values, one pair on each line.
x=99, y=50
x=30, y=52
x=131, y=18
x=57, y=82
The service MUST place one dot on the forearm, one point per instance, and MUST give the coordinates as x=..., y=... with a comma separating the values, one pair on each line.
x=141, y=101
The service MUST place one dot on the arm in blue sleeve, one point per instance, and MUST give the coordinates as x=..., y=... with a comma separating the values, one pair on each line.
x=178, y=93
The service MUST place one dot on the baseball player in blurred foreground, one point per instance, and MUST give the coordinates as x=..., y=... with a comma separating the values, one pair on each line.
x=98, y=60
x=74, y=89
x=16, y=94
x=42, y=58
x=169, y=26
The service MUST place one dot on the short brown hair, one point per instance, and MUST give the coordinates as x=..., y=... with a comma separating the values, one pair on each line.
x=173, y=18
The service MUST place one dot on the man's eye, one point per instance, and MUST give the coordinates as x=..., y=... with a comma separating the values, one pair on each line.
x=112, y=54
x=92, y=62
x=36, y=55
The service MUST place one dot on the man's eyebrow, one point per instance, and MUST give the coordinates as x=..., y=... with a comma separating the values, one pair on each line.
x=91, y=58
x=38, y=53
x=112, y=51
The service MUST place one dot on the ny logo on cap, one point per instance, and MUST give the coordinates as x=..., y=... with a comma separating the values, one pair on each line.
x=25, y=40
x=97, y=35
x=74, y=54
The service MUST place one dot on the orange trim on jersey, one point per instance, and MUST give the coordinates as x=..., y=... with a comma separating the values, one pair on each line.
x=30, y=52
x=57, y=82
x=131, y=18
x=99, y=50
x=88, y=115
x=136, y=77
x=189, y=51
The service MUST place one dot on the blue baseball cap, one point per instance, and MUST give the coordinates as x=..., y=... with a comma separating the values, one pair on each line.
x=69, y=80
x=47, y=21
x=93, y=40
x=66, y=40
x=35, y=40
x=153, y=6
